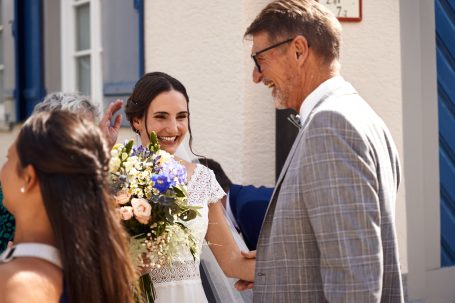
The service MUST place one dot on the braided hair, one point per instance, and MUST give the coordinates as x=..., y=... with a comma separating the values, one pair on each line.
x=71, y=157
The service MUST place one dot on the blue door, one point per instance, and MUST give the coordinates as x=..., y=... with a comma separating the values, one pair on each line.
x=445, y=52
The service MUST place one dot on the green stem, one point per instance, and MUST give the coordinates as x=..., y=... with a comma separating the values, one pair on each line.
x=146, y=288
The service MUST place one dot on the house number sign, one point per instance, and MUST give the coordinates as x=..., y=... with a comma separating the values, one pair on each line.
x=345, y=10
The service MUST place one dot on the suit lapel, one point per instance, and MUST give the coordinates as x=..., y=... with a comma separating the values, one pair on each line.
x=289, y=159
x=345, y=89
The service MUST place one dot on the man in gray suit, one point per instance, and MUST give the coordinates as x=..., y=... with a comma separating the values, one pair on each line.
x=329, y=232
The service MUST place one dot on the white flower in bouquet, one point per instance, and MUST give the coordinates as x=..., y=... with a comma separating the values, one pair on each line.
x=150, y=189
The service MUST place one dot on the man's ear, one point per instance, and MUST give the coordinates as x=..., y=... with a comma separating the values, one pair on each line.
x=30, y=177
x=301, y=48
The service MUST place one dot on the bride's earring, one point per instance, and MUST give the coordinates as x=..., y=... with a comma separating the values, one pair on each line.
x=22, y=189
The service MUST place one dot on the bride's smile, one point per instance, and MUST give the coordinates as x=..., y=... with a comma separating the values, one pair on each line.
x=167, y=115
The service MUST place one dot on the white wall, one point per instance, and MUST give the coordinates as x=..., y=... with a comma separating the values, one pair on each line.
x=200, y=42
x=371, y=61
x=6, y=139
x=427, y=281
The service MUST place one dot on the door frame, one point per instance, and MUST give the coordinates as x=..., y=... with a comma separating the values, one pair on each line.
x=426, y=280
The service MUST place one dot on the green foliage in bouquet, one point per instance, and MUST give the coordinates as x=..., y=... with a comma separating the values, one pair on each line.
x=150, y=188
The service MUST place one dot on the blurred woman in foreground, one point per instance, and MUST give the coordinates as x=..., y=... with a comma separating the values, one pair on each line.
x=69, y=245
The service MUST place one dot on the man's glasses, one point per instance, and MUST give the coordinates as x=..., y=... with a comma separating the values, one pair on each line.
x=254, y=55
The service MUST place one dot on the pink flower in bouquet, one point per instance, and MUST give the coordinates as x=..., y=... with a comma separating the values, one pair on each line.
x=150, y=176
x=126, y=212
x=142, y=210
x=122, y=197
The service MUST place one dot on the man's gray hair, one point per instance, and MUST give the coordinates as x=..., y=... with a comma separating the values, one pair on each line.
x=71, y=102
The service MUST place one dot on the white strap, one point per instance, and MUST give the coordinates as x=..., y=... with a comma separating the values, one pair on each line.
x=34, y=250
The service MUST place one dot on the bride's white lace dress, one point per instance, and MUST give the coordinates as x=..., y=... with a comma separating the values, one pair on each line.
x=181, y=282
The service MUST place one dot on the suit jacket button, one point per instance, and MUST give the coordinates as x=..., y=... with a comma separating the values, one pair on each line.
x=260, y=274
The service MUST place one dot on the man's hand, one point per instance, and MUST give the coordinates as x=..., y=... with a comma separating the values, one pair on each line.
x=111, y=131
x=249, y=254
x=242, y=285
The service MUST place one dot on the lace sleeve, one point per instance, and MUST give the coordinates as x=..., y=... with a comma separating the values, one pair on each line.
x=216, y=192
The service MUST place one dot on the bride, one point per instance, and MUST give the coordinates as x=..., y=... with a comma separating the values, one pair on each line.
x=159, y=103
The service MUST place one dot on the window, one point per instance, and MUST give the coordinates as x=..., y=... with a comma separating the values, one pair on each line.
x=123, y=55
x=81, y=48
x=82, y=52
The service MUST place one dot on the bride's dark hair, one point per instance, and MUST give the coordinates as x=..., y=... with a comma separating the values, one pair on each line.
x=146, y=90
x=71, y=157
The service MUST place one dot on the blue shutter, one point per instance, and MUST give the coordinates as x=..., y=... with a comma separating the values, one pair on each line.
x=445, y=52
x=28, y=31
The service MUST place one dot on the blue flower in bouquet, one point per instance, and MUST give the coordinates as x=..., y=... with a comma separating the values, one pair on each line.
x=181, y=174
x=150, y=188
x=140, y=151
x=176, y=172
x=161, y=182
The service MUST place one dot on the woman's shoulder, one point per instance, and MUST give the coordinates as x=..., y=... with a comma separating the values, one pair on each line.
x=202, y=173
x=27, y=280
x=190, y=167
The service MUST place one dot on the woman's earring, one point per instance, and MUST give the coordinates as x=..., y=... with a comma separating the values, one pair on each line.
x=22, y=189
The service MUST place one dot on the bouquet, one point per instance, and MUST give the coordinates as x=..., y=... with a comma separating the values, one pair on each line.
x=151, y=194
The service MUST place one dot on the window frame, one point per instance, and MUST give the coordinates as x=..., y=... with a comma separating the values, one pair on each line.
x=427, y=281
x=70, y=54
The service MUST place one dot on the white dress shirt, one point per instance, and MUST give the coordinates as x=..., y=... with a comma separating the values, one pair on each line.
x=312, y=99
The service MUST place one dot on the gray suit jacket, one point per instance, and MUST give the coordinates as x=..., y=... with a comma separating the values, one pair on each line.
x=329, y=232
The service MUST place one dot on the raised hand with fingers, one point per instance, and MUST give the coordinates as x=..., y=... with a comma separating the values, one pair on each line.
x=111, y=130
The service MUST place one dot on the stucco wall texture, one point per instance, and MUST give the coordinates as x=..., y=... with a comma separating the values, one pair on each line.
x=371, y=61
x=233, y=120
x=201, y=44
